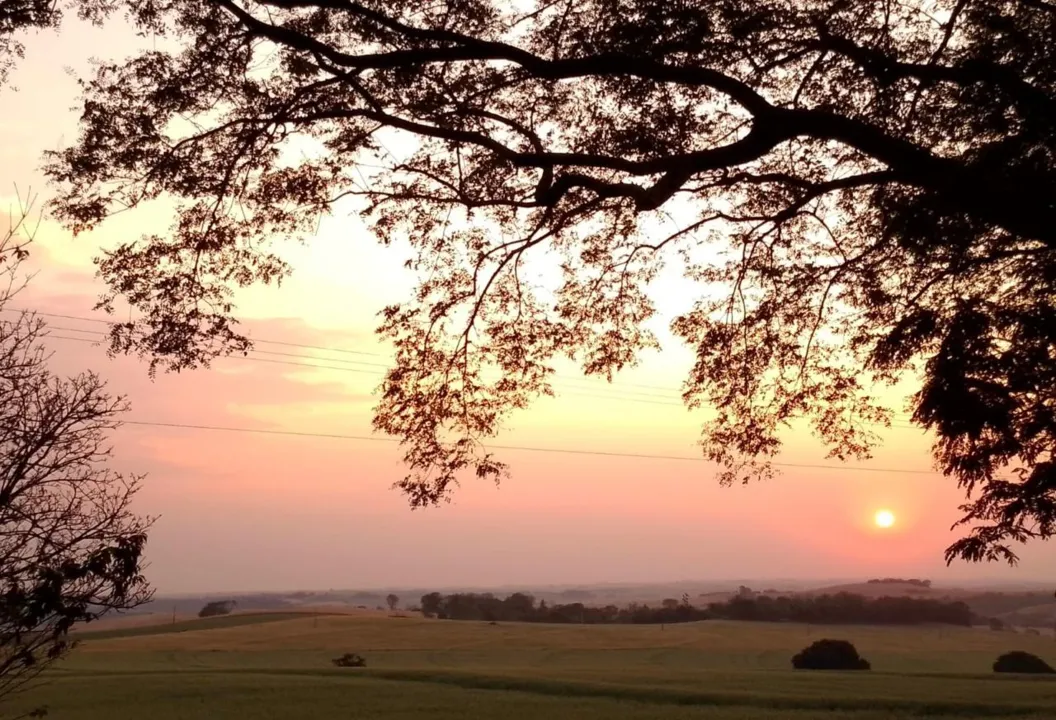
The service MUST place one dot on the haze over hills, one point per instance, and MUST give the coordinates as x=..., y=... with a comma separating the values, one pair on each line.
x=1033, y=602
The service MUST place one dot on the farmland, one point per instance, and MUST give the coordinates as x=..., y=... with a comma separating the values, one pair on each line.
x=277, y=666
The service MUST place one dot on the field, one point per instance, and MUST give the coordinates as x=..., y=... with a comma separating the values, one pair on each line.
x=277, y=667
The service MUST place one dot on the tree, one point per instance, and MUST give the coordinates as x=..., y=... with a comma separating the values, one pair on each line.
x=862, y=192
x=392, y=600
x=432, y=604
x=70, y=545
x=669, y=604
x=1018, y=661
x=217, y=607
x=829, y=655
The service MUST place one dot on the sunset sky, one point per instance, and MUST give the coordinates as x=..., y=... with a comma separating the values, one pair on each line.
x=246, y=511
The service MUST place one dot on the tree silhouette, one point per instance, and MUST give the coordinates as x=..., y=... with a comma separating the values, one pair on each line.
x=862, y=191
x=70, y=546
x=392, y=600
x=217, y=607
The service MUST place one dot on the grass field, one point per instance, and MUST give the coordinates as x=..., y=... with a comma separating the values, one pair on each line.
x=277, y=666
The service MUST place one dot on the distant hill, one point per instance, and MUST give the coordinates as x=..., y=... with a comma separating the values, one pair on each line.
x=1009, y=604
x=1043, y=615
x=888, y=589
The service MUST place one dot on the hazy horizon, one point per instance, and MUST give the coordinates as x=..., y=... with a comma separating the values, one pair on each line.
x=711, y=584
x=246, y=512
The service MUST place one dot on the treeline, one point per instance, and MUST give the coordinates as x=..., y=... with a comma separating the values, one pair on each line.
x=900, y=581
x=522, y=607
x=839, y=609
x=844, y=609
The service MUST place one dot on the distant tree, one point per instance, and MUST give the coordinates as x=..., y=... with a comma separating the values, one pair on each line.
x=350, y=660
x=70, y=545
x=997, y=624
x=900, y=581
x=829, y=655
x=844, y=608
x=669, y=604
x=1018, y=661
x=217, y=607
x=431, y=604
x=861, y=190
x=392, y=600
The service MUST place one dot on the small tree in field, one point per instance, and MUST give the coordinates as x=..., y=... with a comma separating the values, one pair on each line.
x=1018, y=661
x=829, y=655
x=217, y=607
x=70, y=546
x=392, y=600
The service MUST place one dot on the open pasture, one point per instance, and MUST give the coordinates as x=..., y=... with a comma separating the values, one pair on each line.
x=278, y=666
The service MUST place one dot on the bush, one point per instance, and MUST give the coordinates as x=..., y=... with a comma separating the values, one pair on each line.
x=1018, y=661
x=829, y=655
x=350, y=660
x=217, y=607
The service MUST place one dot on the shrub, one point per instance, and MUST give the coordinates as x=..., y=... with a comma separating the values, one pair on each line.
x=350, y=660
x=1018, y=661
x=217, y=607
x=829, y=655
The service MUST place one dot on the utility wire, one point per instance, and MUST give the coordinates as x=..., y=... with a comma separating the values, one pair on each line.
x=564, y=392
x=574, y=391
x=666, y=389
x=259, y=340
x=522, y=448
x=367, y=438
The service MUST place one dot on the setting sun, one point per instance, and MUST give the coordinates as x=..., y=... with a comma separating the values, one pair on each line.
x=884, y=518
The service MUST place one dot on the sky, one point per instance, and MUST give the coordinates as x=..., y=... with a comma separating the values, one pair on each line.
x=242, y=511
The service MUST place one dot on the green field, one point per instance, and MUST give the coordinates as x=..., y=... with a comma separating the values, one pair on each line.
x=278, y=667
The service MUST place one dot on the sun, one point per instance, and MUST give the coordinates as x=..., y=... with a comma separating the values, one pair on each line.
x=884, y=518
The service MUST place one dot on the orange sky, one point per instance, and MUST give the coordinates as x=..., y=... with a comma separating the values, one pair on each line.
x=243, y=511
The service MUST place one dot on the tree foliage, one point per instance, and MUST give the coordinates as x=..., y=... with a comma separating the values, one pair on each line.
x=844, y=609
x=861, y=190
x=1019, y=661
x=829, y=655
x=70, y=545
x=839, y=609
x=217, y=607
x=350, y=660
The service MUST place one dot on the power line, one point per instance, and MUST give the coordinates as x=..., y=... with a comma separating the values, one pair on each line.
x=250, y=359
x=373, y=372
x=259, y=340
x=668, y=389
x=564, y=392
x=583, y=381
x=350, y=362
x=262, y=352
x=521, y=448
x=656, y=399
x=366, y=438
